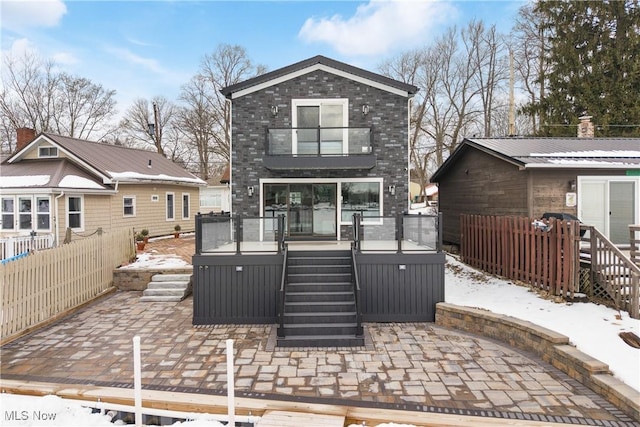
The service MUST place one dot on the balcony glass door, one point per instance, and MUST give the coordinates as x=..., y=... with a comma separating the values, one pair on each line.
x=310, y=209
x=320, y=127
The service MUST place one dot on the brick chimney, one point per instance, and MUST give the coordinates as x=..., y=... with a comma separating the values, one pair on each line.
x=585, y=127
x=24, y=136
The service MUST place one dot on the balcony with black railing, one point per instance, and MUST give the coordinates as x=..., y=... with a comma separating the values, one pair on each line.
x=319, y=148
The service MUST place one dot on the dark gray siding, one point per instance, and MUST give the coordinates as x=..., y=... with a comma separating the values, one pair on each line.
x=221, y=294
x=390, y=294
x=251, y=116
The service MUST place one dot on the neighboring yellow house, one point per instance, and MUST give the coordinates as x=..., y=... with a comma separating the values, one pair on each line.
x=54, y=183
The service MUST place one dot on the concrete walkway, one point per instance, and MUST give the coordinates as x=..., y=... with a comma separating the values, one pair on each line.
x=416, y=367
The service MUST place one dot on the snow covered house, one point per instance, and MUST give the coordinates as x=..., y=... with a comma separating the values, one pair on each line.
x=595, y=179
x=53, y=182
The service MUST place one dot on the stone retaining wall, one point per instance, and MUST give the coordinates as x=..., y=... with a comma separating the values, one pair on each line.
x=551, y=346
x=133, y=279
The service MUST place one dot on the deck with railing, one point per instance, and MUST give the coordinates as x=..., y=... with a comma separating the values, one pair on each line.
x=241, y=268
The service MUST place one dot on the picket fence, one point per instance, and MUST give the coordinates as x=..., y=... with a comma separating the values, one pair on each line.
x=47, y=283
x=542, y=254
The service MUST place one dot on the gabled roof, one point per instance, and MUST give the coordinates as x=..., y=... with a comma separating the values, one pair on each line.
x=48, y=174
x=318, y=62
x=556, y=153
x=112, y=163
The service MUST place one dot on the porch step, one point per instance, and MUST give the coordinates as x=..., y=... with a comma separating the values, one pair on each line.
x=320, y=316
x=167, y=288
x=318, y=306
x=320, y=341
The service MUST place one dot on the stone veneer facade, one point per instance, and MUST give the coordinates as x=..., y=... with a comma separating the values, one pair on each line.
x=251, y=116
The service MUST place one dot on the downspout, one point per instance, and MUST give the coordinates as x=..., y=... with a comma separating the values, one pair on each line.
x=57, y=216
x=231, y=184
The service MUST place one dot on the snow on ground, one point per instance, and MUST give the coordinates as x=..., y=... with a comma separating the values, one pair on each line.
x=592, y=328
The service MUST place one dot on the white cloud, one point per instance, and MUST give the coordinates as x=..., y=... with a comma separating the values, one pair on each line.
x=20, y=47
x=379, y=26
x=132, y=58
x=21, y=14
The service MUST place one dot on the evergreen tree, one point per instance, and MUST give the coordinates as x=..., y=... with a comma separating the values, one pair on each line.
x=593, y=53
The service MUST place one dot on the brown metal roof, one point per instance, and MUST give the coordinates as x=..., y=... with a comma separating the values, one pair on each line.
x=55, y=169
x=123, y=164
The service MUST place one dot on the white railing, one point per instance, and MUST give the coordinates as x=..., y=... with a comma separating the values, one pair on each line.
x=12, y=246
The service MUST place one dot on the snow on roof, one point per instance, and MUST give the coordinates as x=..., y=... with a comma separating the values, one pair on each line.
x=590, y=153
x=24, y=181
x=136, y=176
x=75, y=181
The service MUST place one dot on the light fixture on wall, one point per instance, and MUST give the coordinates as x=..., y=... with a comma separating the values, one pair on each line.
x=365, y=109
x=250, y=190
x=392, y=190
x=274, y=110
x=572, y=185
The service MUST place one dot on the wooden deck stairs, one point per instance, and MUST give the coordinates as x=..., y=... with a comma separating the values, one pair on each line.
x=320, y=306
x=613, y=274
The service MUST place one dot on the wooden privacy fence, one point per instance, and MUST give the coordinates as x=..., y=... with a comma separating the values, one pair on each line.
x=540, y=253
x=47, y=283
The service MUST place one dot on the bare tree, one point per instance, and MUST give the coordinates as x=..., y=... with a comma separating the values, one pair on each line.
x=147, y=121
x=198, y=124
x=488, y=51
x=528, y=46
x=227, y=65
x=461, y=79
x=35, y=95
x=82, y=106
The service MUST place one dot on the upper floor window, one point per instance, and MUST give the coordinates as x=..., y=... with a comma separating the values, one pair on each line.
x=321, y=126
x=47, y=152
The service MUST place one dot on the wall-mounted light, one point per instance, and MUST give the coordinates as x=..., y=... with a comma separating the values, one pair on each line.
x=572, y=185
x=250, y=190
x=365, y=109
x=274, y=110
x=392, y=190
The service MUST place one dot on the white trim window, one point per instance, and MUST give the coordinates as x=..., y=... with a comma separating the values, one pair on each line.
x=25, y=213
x=47, y=152
x=8, y=213
x=361, y=197
x=75, y=212
x=43, y=214
x=310, y=116
x=128, y=206
x=186, y=207
x=170, y=205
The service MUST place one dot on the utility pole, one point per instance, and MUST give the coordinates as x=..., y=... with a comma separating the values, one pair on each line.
x=512, y=107
x=156, y=128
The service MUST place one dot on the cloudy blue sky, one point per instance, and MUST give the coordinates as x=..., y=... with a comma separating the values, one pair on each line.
x=147, y=48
